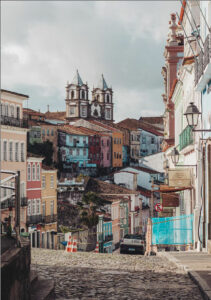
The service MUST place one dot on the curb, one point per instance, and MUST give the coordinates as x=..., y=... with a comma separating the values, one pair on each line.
x=195, y=277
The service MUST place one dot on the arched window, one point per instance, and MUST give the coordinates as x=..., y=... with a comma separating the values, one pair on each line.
x=38, y=171
x=18, y=113
x=72, y=94
x=29, y=172
x=107, y=98
x=98, y=97
x=82, y=94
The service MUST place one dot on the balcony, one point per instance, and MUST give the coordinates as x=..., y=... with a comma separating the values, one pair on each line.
x=186, y=138
x=11, y=121
x=10, y=203
x=203, y=65
x=49, y=219
x=108, y=238
x=35, y=219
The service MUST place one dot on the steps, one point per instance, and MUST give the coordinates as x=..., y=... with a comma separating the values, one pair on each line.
x=41, y=289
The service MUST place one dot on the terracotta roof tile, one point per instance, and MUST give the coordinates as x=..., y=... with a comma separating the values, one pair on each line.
x=58, y=115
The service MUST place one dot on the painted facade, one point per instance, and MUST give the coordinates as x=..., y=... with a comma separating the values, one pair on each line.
x=13, y=152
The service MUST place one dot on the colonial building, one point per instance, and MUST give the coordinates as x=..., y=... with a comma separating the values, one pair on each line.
x=13, y=153
x=78, y=104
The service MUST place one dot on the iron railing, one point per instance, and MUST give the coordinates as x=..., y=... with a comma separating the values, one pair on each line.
x=185, y=138
x=11, y=121
x=35, y=219
x=49, y=219
x=10, y=203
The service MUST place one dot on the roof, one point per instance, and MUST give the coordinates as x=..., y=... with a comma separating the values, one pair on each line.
x=77, y=79
x=48, y=168
x=91, y=131
x=57, y=115
x=169, y=189
x=133, y=124
x=188, y=60
x=146, y=170
x=152, y=120
x=182, y=12
x=143, y=191
x=14, y=93
x=102, y=84
x=105, y=188
x=33, y=112
x=29, y=154
x=103, y=125
x=72, y=130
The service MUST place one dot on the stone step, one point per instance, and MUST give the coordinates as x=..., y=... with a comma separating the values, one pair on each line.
x=42, y=289
x=33, y=277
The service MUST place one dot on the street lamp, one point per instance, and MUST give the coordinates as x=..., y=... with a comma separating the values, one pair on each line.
x=175, y=156
x=192, y=114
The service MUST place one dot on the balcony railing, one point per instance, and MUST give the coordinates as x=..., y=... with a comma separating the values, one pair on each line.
x=49, y=219
x=10, y=203
x=108, y=238
x=203, y=59
x=186, y=137
x=11, y=121
x=35, y=219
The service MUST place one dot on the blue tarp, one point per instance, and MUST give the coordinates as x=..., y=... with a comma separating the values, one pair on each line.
x=172, y=230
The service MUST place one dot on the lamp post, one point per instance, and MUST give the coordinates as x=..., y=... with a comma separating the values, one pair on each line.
x=175, y=158
x=192, y=115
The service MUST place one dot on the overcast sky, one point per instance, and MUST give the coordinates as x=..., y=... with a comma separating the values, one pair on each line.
x=43, y=43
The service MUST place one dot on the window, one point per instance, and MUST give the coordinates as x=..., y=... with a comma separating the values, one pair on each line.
x=83, y=111
x=82, y=94
x=5, y=150
x=98, y=156
x=52, y=207
x=12, y=111
x=29, y=208
x=114, y=140
x=84, y=152
x=77, y=152
x=72, y=110
x=38, y=171
x=107, y=142
x=43, y=132
x=114, y=154
x=120, y=141
x=108, y=113
x=152, y=140
x=84, y=140
x=143, y=140
x=22, y=152
x=120, y=155
x=70, y=139
x=97, y=141
x=16, y=152
x=6, y=110
x=18, y=112
x=43, y=208
x=29, y=172
x=72, y=94
x=71, y=152
x=38, y=207
x=48, y=132
x=102, y=143
x=107, y=98
x=43, y=182
x=94, y=156
x=33, y=172
x=90, y=155
x=52, y=132
x=52, y=182
x=33, y=206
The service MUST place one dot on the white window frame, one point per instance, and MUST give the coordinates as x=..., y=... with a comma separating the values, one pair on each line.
x=33, y=207
x=38, y=171
x=43, y=182
x=11, y=151
x=52, y=182
x=29, y=172
x=52, y=207
x=17, y=151
x=22, y=152
x=33, y=172
x=5, y=150
x=29, y=208
x=38, y=207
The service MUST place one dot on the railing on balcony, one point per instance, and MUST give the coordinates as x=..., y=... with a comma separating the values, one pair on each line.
x=35, y=219
x=203, y=59
x=186, y=137
x=108, y=238
x=10, y=203
x=49, y=219
x=11, y=121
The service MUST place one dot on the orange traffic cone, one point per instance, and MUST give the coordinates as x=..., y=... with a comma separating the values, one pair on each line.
x=97, y=248
x=69, y=245
x=74, y=245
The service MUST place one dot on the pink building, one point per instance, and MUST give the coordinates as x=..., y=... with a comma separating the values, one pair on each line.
x=33, y=189
x=106, y=153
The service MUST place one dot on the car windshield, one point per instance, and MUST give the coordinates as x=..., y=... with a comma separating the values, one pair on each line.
x=134, y=236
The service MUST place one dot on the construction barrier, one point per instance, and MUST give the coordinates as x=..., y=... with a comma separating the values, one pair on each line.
x=97, y=248
x=69, y=244
x=74, y=246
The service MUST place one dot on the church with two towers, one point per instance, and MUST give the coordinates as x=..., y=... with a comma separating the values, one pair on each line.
x=78, y=105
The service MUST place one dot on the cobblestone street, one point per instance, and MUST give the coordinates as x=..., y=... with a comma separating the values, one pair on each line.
x=112, y=276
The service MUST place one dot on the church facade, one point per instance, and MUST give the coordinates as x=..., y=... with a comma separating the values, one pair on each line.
x=78, y=105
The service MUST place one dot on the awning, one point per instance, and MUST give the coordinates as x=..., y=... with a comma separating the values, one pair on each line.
x=170, y=189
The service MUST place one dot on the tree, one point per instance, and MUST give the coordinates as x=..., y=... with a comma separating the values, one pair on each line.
x=44, y=149
x=89, y=205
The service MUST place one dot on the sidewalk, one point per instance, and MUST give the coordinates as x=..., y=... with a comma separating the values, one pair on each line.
x=197, y=265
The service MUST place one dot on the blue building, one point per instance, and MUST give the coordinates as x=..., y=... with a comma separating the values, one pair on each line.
x=105, y=236
x=125, y=155
x=73, y=148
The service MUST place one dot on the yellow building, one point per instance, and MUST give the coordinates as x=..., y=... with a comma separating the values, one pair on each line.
x=48, y=228
x=13, y=154
x=117, y=140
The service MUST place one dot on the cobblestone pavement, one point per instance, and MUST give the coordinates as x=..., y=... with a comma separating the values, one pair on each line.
x=112, y=276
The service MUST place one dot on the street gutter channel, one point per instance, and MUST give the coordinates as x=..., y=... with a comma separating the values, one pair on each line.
x=203, y=286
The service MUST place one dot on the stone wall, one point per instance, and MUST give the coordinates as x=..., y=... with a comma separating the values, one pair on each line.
x=15, y=272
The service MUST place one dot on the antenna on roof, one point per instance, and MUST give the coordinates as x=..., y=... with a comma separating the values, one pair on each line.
x=48, y=107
